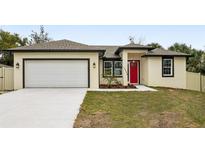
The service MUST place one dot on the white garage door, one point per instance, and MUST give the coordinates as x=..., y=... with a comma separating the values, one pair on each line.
x=56, y=73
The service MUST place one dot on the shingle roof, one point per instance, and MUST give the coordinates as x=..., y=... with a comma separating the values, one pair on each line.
x=113, y=51
x=56, y=45
x=110, y=51
x=163, y=52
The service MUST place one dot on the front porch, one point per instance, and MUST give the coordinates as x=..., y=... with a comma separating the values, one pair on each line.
x=133, y=65
x=127, y=71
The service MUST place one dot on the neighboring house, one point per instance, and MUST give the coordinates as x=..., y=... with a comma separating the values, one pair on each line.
x=66, y=63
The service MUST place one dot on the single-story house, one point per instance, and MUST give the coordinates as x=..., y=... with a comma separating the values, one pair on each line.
x=65, y=63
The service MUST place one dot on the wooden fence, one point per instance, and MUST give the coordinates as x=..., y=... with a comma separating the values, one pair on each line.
x=195, y=81
x=6, y=78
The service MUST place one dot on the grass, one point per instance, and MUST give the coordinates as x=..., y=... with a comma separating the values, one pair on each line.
x=164, y=108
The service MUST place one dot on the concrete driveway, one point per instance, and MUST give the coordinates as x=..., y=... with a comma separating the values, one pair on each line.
x=41, y=107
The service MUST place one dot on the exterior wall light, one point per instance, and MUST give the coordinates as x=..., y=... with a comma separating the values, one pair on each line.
x=17, y=65
x=94, y=65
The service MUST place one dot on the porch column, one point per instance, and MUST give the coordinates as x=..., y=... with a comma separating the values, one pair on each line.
x=124, y=68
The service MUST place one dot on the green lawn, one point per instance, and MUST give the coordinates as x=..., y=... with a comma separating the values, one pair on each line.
x=164, y=108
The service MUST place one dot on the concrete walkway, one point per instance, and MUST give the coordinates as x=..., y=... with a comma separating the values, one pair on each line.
x=40, y=107
x=144, y=88
x=138, y=88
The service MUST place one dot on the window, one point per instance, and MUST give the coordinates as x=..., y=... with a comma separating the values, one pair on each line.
x=117, y=68
x=113, y=68
x=108, y=65
x=167, y=67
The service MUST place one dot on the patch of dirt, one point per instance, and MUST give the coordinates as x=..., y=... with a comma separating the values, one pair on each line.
x=101, y=120
x=96, y=120
x=166, y=120
x=82, y=123
x=154, y=123
x=169, y=119
x=143, y=113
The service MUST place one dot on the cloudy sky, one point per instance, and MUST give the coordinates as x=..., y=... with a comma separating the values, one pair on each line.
x=119, y=35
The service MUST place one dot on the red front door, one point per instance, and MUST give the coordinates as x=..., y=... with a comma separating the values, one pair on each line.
x=134, y=72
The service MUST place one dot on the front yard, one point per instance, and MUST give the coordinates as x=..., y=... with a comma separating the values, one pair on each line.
x=164, y=108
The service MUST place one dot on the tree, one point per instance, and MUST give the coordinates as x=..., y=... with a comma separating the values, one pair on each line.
x=181, y=48
x=40, y=37
x=8, y=40
x=203, y=63
x=195, y=63
x=155, y=45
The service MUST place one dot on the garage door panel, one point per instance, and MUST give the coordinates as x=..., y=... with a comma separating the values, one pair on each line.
x=56, y=73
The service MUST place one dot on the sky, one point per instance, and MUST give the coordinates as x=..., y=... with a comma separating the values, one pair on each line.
x=119, y=35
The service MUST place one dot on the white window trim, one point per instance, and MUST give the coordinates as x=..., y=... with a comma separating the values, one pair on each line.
x=107, y=68
x=117, y=68
x=171, y=67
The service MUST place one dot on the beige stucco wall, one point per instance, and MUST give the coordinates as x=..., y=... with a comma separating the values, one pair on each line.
x=93, y=56
x=124, y=68
x=144, y=69
x=155, y=73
